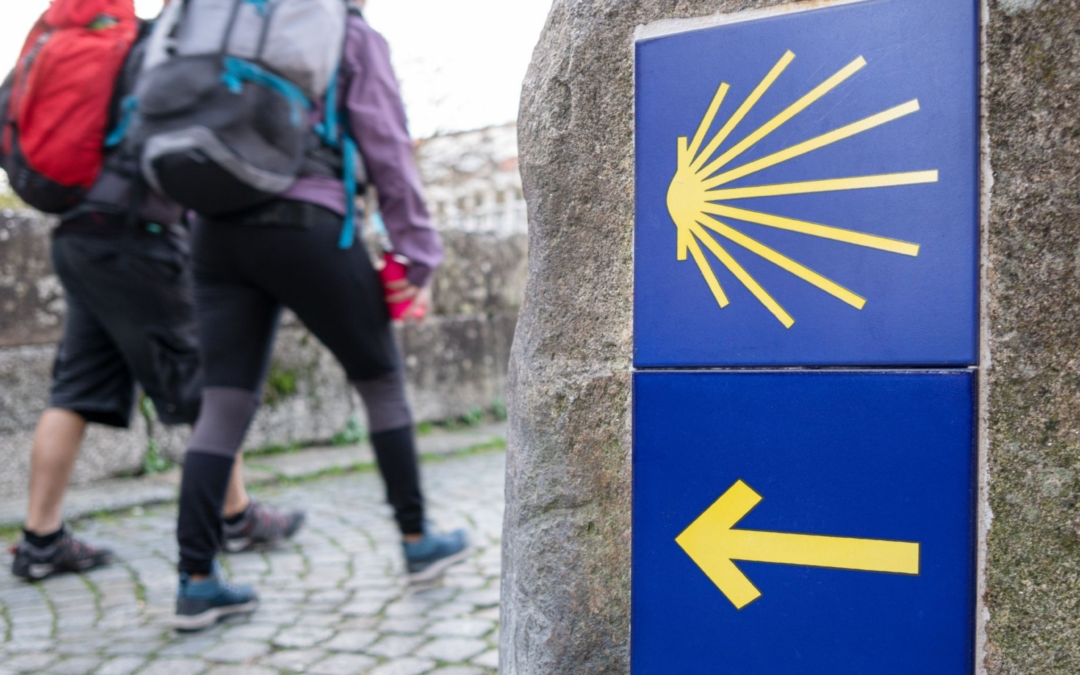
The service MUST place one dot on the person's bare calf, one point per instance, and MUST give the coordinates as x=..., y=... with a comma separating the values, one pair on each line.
x=47, y=547
x=57, y=440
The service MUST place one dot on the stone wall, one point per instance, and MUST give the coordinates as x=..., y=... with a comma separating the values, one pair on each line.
x=1033, y=337
x=455, y=362
x=566, y=573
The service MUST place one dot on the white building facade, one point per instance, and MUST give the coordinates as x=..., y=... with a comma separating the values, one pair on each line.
x=471, y=180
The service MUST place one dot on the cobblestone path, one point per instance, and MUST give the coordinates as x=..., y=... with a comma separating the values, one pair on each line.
x=333, y=602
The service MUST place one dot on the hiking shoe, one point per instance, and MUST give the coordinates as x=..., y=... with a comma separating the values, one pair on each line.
x=434, y=554
x=201, y=604
x=261, y=526
x=68, y=554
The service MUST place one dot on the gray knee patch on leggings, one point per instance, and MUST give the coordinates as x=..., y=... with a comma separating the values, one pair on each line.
x=386, y=403
x=223, y=421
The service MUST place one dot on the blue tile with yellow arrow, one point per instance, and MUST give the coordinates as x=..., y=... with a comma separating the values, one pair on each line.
x=803, y=523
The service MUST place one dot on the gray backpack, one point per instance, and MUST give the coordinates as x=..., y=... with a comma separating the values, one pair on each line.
x=225, y=96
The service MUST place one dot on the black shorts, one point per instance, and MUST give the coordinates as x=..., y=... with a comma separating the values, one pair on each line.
x=130, y=319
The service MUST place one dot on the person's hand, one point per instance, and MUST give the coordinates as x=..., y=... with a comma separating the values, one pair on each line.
x=403, y=291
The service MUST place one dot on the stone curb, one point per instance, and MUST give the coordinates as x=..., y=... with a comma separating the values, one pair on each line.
x=125, y=493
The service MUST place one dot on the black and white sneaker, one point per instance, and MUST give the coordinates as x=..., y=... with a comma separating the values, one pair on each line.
x=68, y=554
x=201, y=604
x=261, y=527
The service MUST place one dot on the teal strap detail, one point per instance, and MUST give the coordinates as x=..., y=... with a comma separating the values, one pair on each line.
x=329, y=130
x=260, y=5
x=348, y=231
x=238, y=71
x=127, y=112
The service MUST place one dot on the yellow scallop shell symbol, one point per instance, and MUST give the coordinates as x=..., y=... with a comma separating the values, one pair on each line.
x=697, y=198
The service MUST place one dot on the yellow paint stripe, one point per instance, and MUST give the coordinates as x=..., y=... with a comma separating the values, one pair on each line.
x=814, y=229
x=743, y=276
x=828, y=185
x=814, y=144
x=713, y=545
x=806, y=274
x=703, y=266
x=868, y=555
x=682, y=245
x=749, y=103
x=707, y=121
x=735, y=585
x=792, y=110
x=682, y=236
x=699, y=541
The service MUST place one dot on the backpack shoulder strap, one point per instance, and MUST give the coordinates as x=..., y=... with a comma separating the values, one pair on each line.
x=122, y=107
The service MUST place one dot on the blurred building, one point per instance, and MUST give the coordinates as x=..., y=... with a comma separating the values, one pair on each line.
x=471, y=180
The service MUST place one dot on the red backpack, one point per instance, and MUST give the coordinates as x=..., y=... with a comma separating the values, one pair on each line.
x=55, y=123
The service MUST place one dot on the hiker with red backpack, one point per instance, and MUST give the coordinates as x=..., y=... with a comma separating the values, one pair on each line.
x=122, y=256
x=267, y=118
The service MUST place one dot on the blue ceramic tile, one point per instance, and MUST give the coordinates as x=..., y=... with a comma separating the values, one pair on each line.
x=878, y=269
x=879, y=463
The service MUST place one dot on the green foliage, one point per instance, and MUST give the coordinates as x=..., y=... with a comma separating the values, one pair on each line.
x=281, y=383
x=147, y=409
x=154, y=462
x=498, y=410
x=487, y=446
x=10, y=200
x=474, y=417
x=274, y=449
x=10, y=533
x=331, y=472
x=352, y=434
x=494, y=444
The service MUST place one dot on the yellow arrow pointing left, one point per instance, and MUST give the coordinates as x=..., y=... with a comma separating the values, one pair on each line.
x=711, y=542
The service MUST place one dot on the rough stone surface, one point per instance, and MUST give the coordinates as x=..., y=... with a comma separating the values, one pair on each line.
x=124, y=493
x=482, y=272
x=31, y=300
x=456, y=363
x=568, y=484
x=24, y=391
x=568, y=476
x=1033, y=326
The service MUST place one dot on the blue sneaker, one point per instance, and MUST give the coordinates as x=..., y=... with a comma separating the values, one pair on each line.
x=201, y=604
x=434, y=554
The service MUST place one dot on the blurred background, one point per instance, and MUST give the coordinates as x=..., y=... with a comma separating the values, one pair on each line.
x=460, y=65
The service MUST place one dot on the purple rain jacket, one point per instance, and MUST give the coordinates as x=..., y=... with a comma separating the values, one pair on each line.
x=375, y=114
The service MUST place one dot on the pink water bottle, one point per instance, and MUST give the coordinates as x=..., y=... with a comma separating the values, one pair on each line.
x=394, y=268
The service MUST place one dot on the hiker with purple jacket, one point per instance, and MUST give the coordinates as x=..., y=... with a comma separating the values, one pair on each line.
x=293, y=247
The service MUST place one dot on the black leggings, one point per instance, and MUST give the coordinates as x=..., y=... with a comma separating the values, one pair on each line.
x=244, y=275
